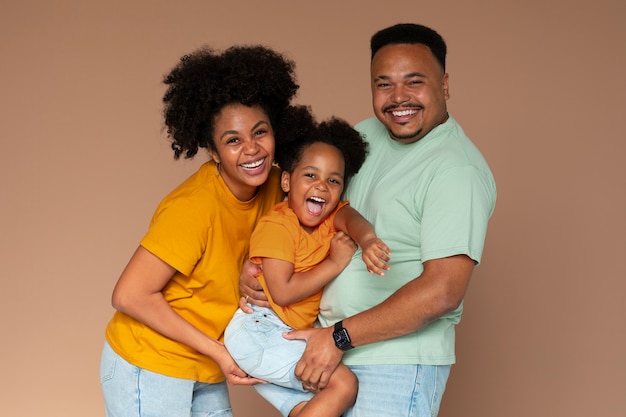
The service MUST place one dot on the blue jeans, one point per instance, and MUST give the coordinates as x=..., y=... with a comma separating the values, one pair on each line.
x=130, y=391
x=399, y=390
x=384, y=391
x=256, y=343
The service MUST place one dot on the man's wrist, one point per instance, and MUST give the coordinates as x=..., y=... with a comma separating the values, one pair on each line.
x=341, y=337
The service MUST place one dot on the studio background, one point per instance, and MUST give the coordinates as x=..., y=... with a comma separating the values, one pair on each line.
x=538, y=85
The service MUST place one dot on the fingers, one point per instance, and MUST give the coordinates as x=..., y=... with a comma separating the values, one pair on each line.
x=303, y=334
x=376, y=255
x=246, y=380
x=315, y=382
x=243, y=305
x=249, y=296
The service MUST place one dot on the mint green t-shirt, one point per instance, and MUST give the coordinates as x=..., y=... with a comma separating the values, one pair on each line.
x=427, y=200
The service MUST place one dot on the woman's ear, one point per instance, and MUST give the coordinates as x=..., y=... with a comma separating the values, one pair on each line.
x=214, y=156
x=284, y=181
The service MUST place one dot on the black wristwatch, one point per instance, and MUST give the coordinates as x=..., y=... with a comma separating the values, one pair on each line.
x=342, y=339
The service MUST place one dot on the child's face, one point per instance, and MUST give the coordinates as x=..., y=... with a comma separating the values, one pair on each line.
x=315, y=185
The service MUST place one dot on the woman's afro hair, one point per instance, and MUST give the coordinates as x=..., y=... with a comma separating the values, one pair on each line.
x=206, y=80
x=298, y=130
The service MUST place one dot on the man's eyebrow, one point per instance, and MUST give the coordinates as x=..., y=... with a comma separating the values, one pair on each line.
x=415, y=74
x=409, y=75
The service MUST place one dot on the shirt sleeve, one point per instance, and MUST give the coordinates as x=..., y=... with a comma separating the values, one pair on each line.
x=177, y=234
x=273, y=237
x=456, y=212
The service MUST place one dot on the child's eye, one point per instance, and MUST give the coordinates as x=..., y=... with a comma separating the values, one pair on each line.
x=334, y=181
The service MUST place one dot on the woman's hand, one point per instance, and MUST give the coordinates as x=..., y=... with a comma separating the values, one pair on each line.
x=234, y=374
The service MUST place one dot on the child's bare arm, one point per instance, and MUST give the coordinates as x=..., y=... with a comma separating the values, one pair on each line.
x=375, y=252
x=287, y=287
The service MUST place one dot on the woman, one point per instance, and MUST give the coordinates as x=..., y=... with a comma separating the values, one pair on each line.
x=163, y=354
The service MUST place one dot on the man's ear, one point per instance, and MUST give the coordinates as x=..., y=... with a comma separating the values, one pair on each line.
x=284, y=181
x=445, y=86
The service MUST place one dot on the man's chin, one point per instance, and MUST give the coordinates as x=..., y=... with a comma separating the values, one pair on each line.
x=405, y=137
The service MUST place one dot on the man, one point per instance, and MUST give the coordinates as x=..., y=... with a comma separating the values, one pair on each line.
x=429, y=194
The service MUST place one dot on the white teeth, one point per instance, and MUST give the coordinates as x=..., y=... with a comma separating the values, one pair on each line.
x=317, y=199
x=254, y=164
x=400, y=113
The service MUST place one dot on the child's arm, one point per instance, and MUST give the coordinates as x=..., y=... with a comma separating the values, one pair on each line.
x=287, y=287
x=375, y=252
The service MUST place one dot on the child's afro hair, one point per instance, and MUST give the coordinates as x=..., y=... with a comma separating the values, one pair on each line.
x=298, y=130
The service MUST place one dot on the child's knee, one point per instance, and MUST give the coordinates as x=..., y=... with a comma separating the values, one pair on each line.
x=347, y=384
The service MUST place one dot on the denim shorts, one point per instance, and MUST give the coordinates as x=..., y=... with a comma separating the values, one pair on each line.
x=256, y=343
x=130, y=391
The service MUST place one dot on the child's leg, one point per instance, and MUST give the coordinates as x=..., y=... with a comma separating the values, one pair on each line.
x=337, y=397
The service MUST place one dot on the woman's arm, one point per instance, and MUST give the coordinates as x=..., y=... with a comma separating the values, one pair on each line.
x=138, y=294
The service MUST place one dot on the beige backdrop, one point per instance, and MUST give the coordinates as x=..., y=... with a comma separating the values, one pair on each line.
x=538, y=85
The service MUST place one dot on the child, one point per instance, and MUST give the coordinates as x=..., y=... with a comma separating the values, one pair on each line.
x=302, y=244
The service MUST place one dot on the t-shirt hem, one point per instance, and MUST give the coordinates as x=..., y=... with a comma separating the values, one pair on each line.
x=446, y=360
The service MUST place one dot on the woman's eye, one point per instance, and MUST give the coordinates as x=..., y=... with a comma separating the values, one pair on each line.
x=260, y=132
x=232, y=140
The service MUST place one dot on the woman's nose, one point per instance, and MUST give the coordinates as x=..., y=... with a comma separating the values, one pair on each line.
x=251, y=147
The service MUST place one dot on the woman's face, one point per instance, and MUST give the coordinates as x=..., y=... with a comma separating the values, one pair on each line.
x=244, y=147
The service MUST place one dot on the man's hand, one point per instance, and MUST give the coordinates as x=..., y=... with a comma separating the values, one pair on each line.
x=320, y=358
x=250, y=287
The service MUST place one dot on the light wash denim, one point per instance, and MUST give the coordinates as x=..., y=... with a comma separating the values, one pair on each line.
x=256, y=343
x=130, y=391
x=399, y=390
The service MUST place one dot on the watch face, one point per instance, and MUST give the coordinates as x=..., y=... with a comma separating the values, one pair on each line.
x=341, y=338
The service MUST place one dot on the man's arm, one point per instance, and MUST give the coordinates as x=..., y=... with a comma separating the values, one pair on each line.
x=438, y=290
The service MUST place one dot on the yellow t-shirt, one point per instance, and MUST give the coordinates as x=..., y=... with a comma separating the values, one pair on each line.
x=279, y=235
x=202, y=231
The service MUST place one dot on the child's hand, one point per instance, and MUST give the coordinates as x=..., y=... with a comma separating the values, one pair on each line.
x=376, y=256
x=342, y=247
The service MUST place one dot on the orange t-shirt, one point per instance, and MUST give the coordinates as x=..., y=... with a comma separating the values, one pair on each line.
x=279, y=235
x=202, y=231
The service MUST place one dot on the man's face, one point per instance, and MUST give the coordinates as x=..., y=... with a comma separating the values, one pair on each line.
x=409, y=91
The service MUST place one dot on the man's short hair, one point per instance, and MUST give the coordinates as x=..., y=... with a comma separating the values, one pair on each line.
x=409, y=33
